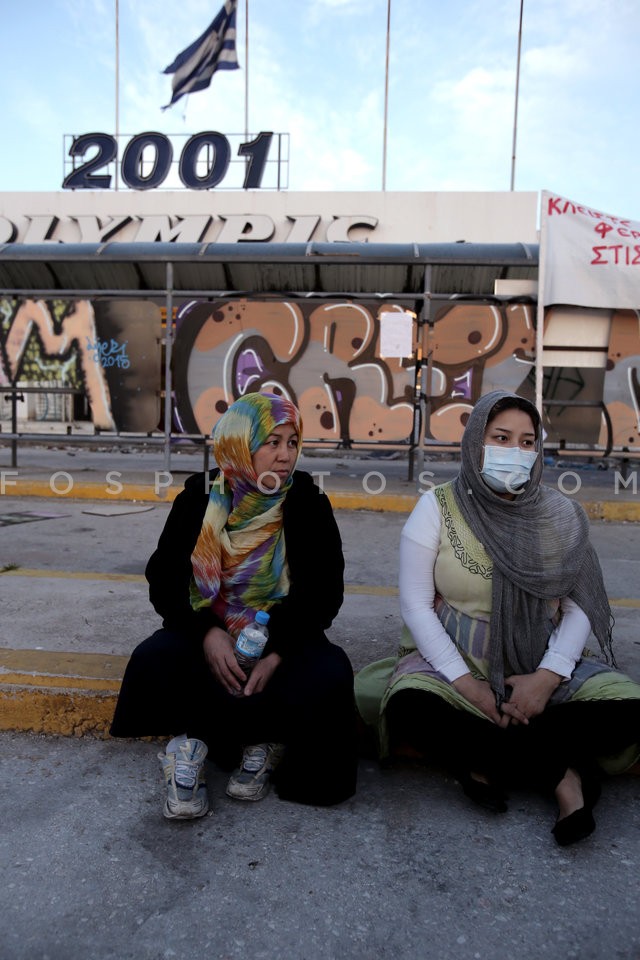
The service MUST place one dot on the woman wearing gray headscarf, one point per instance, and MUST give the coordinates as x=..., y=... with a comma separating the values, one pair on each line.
x=500, y=589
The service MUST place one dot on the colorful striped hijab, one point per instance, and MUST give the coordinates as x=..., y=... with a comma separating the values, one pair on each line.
x=239, y=561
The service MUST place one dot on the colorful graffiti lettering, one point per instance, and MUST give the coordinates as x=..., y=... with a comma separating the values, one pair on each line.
x=79, y=346
x=326, y=356
x=327, y=359
x=590, y=369
x=72, y=331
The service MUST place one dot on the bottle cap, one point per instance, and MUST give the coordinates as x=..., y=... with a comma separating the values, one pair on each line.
x=262, y=617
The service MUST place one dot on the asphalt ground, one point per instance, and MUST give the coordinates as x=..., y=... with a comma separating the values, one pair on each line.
x=406, y=869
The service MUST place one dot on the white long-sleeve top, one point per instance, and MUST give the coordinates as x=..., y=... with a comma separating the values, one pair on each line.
x=419, y=546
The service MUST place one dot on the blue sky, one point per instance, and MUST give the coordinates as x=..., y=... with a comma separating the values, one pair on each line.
x=316, y=71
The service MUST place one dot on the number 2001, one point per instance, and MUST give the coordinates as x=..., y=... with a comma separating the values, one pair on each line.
x=218, y=157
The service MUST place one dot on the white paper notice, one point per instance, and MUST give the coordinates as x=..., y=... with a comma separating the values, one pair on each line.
x=396, y=335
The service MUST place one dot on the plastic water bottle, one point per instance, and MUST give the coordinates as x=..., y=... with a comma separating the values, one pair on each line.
x=252, y=641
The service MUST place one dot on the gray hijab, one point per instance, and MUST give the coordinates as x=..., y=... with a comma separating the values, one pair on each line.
x=540, y=548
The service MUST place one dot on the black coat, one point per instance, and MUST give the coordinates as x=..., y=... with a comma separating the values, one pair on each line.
x=314, y=557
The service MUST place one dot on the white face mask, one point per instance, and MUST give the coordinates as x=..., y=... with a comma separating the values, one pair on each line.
x=507, y=469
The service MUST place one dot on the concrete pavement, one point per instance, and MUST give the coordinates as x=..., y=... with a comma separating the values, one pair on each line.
x=407, y=869
x=73, y=592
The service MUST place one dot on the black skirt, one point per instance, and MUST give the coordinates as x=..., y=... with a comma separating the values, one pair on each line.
x=308, y=705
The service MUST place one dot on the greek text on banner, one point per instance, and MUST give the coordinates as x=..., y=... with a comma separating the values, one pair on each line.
x=588, y=258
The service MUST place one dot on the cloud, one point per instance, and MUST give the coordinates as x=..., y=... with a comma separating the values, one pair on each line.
x=553, y=64
x=316, y=71
x=477, y=94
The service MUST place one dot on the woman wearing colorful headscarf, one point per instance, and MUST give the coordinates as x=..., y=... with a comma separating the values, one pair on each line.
x=500, y=589
x=254, y=534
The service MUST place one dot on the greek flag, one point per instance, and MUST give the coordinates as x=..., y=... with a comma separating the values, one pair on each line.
x=214, y=50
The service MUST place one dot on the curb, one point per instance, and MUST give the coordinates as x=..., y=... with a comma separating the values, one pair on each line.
x=383, y=502
x=74, y=694
x=63, y=694
x=146, y=493
x=614, y=512
x=90, y=491
x=617, y=511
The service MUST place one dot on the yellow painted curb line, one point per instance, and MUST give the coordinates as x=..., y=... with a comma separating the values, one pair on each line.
x=613, y=511
x=610, y=510
x=73, y=575
x=383, y=502
x=144, y=493
x=362, y=588
x=69, y=694
x=64, y=713
x=90, y=491
x=40, y=663
x=78, y=683
x=74, y=694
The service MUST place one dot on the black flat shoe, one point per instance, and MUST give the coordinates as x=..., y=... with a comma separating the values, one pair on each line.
x=577, y=826
x=485, y=795
x=580, y=824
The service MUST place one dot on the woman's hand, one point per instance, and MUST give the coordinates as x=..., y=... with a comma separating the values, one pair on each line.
x=262, y=673
x=530, y=694
x=480, y=694
x=218, y=651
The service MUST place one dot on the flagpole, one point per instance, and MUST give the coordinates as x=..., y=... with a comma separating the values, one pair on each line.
x=515, y=113
x=386, y=101
x=117, y=85
x=539, y=340
x=246, y=70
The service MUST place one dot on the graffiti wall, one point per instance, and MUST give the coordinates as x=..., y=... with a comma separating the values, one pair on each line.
x=323, y=356
x=106, y=352
x=326, y=357
x=474, y=348
x=592, y=359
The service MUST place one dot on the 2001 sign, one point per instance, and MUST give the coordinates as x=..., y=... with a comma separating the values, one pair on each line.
x=215, y=162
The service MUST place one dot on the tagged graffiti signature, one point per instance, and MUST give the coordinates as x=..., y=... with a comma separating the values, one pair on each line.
x=109, y=353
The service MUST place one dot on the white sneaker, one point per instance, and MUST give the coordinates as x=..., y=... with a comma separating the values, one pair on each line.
x=251, y=781
x=183, y=766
